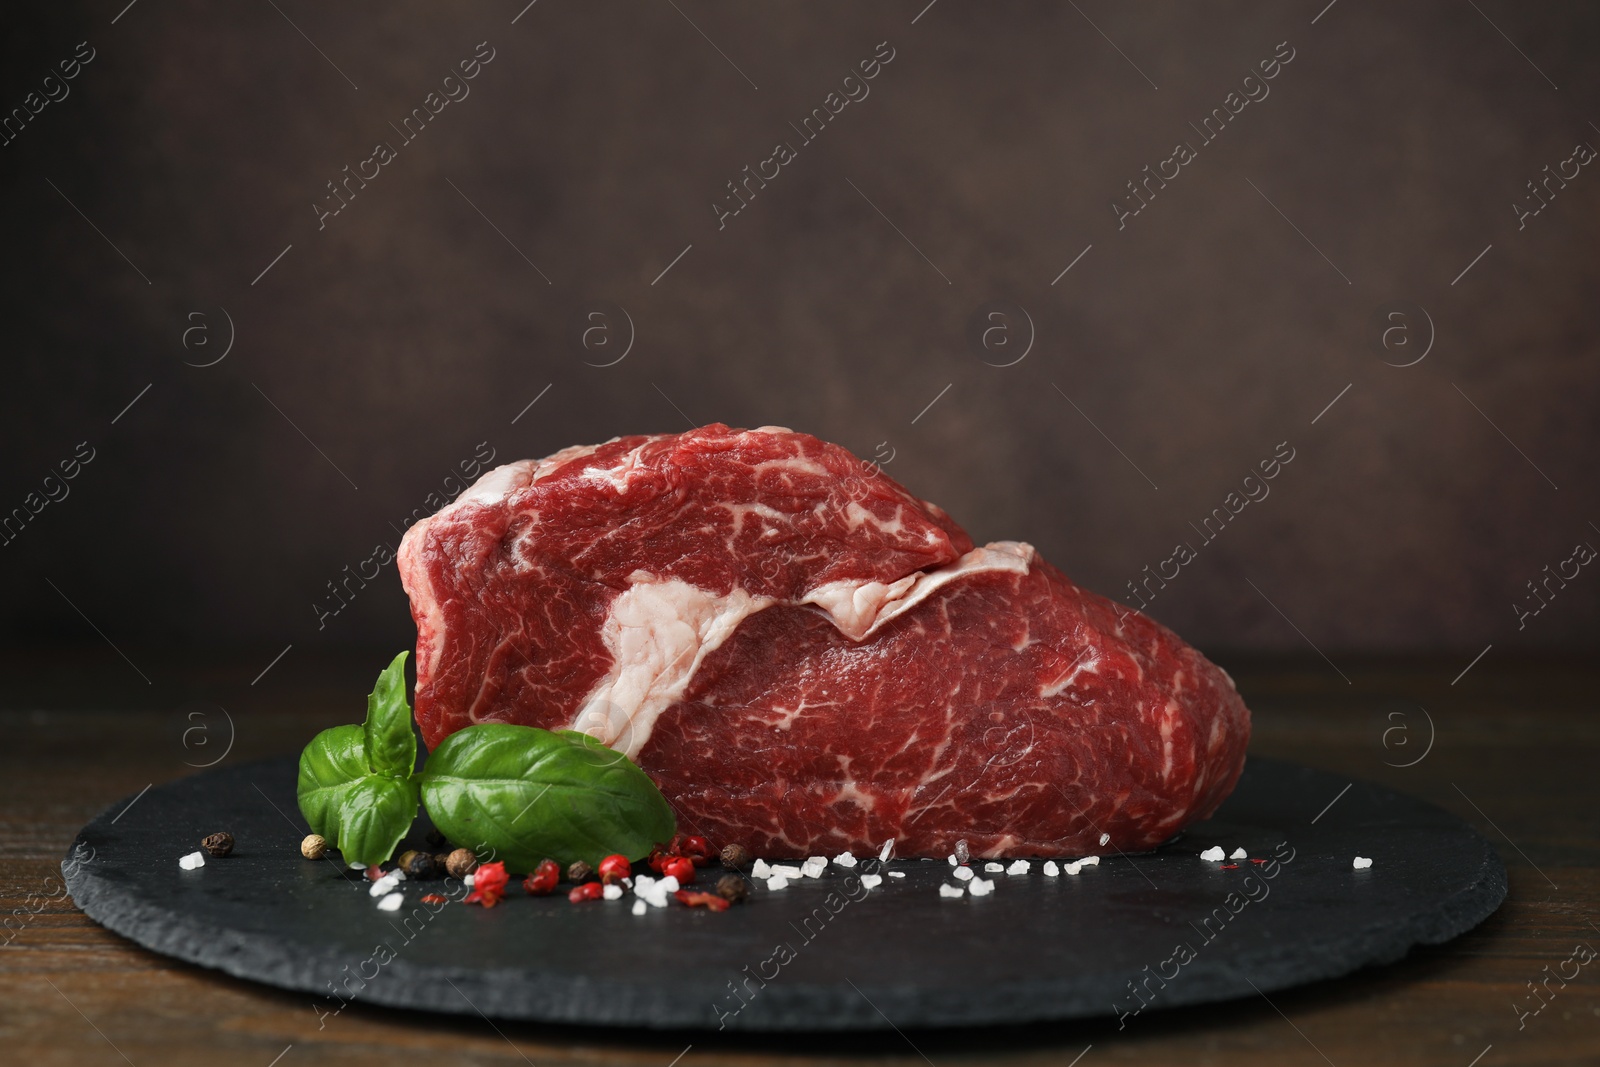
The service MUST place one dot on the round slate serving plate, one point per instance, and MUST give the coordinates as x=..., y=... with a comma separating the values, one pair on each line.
x=1135, y=933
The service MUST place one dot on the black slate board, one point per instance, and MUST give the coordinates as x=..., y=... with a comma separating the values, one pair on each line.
x=1037, y=948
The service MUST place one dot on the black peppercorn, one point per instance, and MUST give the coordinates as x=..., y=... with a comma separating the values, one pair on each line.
x=732, y=888
x=218, y=844
x=419, y=865
x=580, y=872
x=736, y=856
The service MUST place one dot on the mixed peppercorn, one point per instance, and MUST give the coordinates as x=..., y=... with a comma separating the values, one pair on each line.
x=677, y=859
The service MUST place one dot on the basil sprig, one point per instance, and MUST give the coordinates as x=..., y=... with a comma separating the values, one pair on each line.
x=531, y=794
x=356, y=784
x=513, y=793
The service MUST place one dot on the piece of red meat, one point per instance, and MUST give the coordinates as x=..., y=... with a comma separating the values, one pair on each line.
x=807, y=659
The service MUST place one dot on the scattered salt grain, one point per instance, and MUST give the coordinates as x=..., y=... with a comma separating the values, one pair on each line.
x=649, y=891
x=993, y=868
x=1238, y=854
x=963, y=874
x=872, y=881
x=384, y=886
x=948, y=890
x=354, y=866
x=1089, y=861
x=392, y=902
x=611, y=892
x=1050, y=869
x=1073, y=868
x=845, y=859
x=1361, y=863
x=777, y=882
x=981, y=887
x=814, y=867
x=1105, y=838
x=897, y=874
x=759, y=869
x=669, y=884
x=953, y=859
x=886, y=851
x=640, y=907
x=468, y=880
x=1019, y=867
x=192, y=861
x=784, y=870
x=1214, y=854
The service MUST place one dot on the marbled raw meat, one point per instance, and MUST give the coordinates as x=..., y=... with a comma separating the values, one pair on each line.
x=807, y=658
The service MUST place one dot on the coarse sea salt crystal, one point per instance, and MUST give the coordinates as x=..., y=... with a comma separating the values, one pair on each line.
x=815, y=859
x=952, y=859
x=845, y=859
x=1104, y=838
x=963, y=873
x=1089, y=861
x=777, y=881
x=612, y=892
x=897, y=874
x=354, y=866
x=994, y=868
x=1361, y=863
x=468, y=880
x=980, y=887
x=392, y=902
x=1073, y=868
x=669, y=884
x=1019, y=867
x=759, y=869
x=812, y=869
x=640, y=907
x=872, y=881
x=383, y=886
x=1214, y=854
x=649, y=891
x=948, y=890
x=192, y=861
x=784, y=870
x=1238, y=854
x=1050, y=868
x=887, y=851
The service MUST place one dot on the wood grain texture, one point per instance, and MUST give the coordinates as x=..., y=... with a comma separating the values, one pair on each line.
x=1513, y=754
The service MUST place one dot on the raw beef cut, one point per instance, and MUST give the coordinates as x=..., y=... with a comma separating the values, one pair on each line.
x=807, y=658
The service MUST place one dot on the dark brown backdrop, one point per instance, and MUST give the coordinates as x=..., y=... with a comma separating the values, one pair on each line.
x=1178, y=351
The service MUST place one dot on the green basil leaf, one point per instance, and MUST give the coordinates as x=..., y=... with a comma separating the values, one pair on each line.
x=391, y=744
x=525, y=795
x=330, y=768
x=374, y=815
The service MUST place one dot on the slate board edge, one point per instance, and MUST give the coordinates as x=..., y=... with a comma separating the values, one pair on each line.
x=573, y=1000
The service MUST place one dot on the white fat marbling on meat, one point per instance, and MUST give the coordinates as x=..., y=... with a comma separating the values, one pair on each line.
x=858, y=608
x=657, y=632
x=1084, y=664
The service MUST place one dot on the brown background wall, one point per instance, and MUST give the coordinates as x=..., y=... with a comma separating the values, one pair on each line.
x=379, y=351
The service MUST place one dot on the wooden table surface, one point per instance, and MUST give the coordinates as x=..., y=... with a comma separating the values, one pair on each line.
x=1513, y=752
